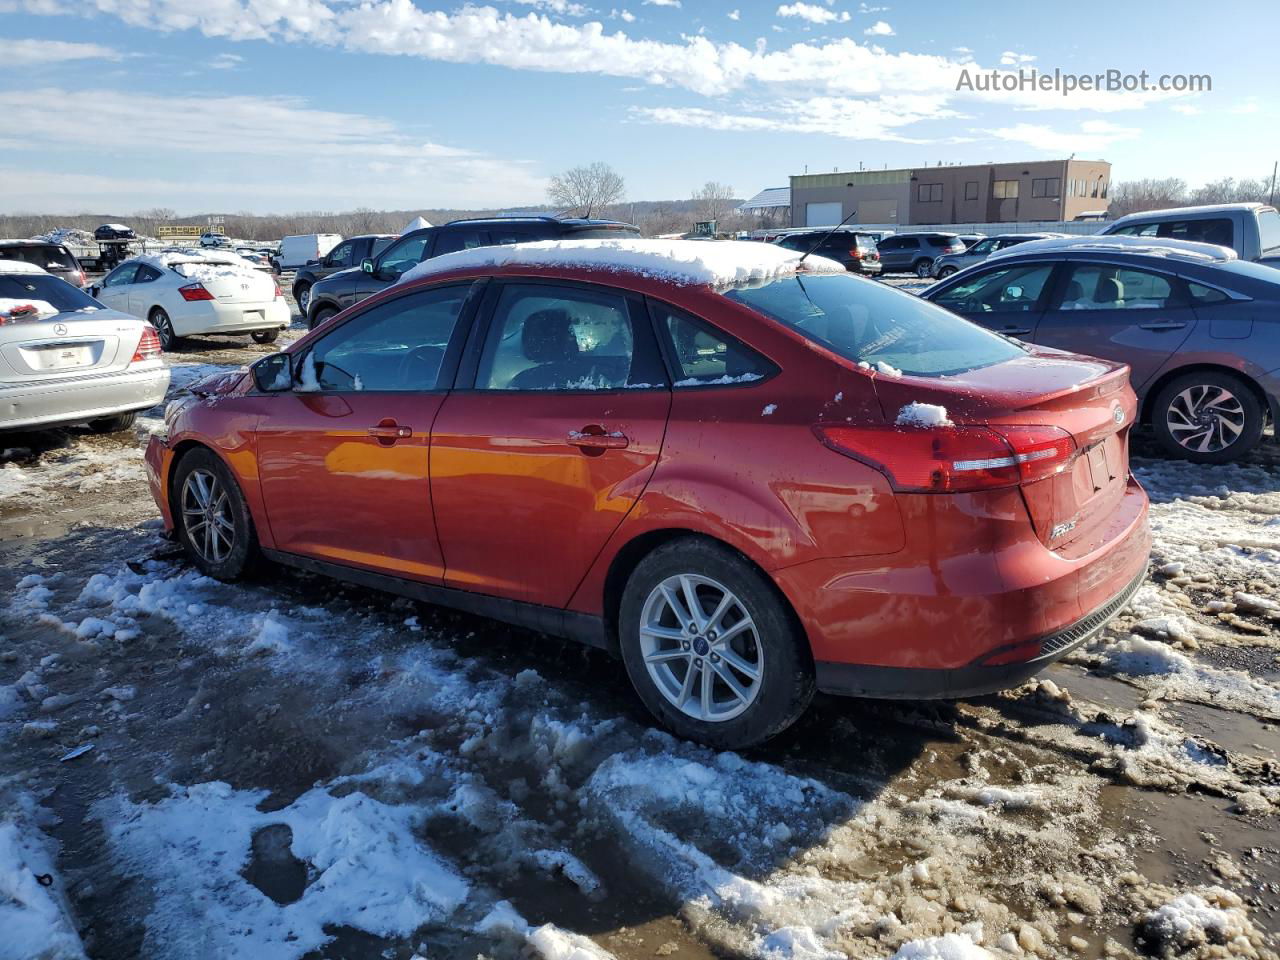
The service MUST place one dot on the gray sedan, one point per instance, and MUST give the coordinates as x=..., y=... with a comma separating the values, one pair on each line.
x=949, y=263
x=1199, y=328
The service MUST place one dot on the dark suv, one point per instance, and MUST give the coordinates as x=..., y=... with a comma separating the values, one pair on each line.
x=857, y=251
x=53, y=258
x=351, y=252
x=915, y=252
x=341, y=290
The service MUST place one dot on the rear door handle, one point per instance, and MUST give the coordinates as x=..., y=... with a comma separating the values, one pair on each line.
x=1162, y=325
x=595, y=438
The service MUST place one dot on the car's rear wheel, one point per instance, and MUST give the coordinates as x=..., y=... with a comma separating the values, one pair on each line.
x=319, y=317
x=121, y=421
x=265, y=336
x=212, y=518
x=302, y=296
x=711, y=647
x=1207, y=417
x=164, y=327
x=922, y=269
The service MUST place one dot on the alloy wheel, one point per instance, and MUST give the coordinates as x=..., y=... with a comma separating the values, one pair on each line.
x=304, y=300
x=206, y=516
x=1205, y=418
x=701, y=647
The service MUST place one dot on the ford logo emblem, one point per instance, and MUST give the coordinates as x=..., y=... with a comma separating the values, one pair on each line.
x=60, y=329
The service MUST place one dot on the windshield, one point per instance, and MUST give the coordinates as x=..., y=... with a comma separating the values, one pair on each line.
x=46, y=258
x=867, y=322
x=52, y=290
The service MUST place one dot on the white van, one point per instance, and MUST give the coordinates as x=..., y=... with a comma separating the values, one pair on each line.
x=296, y=251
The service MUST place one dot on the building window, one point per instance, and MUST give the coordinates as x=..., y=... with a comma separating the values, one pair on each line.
x=1071, y=188
x=1105, y=184
x=929, y=192
x=1097, y=185
x=1046, y=187
x=1005, y=190
x=971, y=190
x=1082, y=188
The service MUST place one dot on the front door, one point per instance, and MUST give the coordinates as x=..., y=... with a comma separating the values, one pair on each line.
x=113, y=292
x=343, y=458
x=1005, y=299
x=534, y=468
x=1138, y=317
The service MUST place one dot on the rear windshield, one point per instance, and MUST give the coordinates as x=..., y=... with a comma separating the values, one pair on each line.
x=868, y=322
x=52, y=290
x=46, y=258
x=1269, y=232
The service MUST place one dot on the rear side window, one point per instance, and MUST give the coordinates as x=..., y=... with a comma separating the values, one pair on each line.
x=147, y=273
x=703, y=355
x=1269, y=232
x=601, y=233
x=941, y=242
x=454, y=240
x=1092, y=286
x=1203, y=296
x=873, y=324
x=1217, y=231
x=1136, y=230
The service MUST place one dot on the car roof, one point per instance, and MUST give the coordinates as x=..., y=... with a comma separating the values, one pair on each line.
x=1204, y=210
x=1164, y=248
x=565, y=221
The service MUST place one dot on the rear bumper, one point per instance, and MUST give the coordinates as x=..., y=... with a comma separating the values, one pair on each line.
x=75, y=400
x=232, y=318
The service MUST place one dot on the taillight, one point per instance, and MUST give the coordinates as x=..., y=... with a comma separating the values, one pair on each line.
x=195, y=291
x=855, y=253
x=149, y=346
x=953, y=459
x=279, y=292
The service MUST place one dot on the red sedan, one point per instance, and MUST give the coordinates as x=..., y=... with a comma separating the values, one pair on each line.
x=751, y=477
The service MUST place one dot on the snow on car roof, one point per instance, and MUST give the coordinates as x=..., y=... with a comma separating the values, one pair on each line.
x=171, y=258
x=18, y=266
x=1146, y=246
x=682, y=262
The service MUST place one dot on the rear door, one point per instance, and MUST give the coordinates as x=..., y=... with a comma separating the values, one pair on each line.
x=343, y=458
x=537, y=462
x=1007, y=299
x=1138, y=317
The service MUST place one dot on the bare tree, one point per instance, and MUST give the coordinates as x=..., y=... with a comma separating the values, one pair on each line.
x=1134, y=196
x=714, y=200
x=585, y=190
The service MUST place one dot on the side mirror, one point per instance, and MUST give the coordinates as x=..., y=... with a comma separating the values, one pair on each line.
x=273, y=374
x=366, y=265
x=312, y=263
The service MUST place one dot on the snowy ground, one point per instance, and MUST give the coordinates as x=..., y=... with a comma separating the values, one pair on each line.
x=295, y=768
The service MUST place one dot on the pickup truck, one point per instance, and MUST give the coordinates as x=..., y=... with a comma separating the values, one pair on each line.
x=1252, y=230
x=349, y=253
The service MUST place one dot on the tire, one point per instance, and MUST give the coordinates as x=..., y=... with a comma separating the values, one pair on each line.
x=164, y=326
x=121, y=421
x=302, y=297
x=265, y=336
x=922, y=268
x=1207, y=417
x=320, y=316
x=946, y=272
x=773, y=644
x=208, y=546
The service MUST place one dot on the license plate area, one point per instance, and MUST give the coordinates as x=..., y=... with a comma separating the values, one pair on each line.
x=62, y=356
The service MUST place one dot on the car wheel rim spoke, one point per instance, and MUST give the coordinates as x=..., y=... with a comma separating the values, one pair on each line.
x=709, y=665
x=206, y=513
x=1205, y=418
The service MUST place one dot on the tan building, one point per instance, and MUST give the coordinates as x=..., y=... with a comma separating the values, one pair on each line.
x=968, y=193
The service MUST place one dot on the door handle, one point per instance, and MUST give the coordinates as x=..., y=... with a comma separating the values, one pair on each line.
x=595, y=438
x=1014, y=330
x=1162, y=325
x=388, y=432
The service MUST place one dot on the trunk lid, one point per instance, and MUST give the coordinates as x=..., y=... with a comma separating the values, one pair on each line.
x=231, y=284
x=67, y=345
x=1088, y=398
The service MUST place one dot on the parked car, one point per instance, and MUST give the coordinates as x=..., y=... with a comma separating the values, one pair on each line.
x=1199, y=328
x=342, y=289
x=857, y=251
x=347, y=254
x=915, y=252
x=208, y=293
x=678, y=451
x=299, y=250
x=65, y=359
x=969, y=239
x=214, y=240
x=114, y=231
x=1252, y=230
x=52, y=258
x=949, y=263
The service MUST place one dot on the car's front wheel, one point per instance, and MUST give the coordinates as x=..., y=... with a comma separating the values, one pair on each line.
x=302, y=296
x=212, y=518
x=319, y=317
x=265, y=336
x=711, y=647
x=1207, y=417
x=164, y=327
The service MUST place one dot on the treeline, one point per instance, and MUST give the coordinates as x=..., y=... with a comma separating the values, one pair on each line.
x=1134, y=196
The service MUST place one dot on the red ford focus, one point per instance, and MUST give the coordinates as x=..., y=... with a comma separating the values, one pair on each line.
x=751, y=477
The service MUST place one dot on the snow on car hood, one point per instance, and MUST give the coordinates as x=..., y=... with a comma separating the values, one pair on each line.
x=684, y=262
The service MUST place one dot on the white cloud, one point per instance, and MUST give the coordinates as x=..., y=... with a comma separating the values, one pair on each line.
x=226, y=61
x=1092, y=137
x=626, y=16
x=812, y=13
x=21, y=53
x=661, y=3
x=734, y=15
x=879, y=29
x=565, y=8
x=863, y=8
x=1012, y=59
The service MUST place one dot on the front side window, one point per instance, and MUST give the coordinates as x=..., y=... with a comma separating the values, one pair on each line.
x=1269, y=232
x=380, y=244
x=703, y=355
x=120, y=275
x=1095, y=286
x=545, y=337
x=397, y=346
x=1012, y=289
x=403, y=255
x=983, y=248
x=875, y=325
x=340, y=256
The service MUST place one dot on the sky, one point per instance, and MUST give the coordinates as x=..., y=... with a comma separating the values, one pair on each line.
x=116, y=106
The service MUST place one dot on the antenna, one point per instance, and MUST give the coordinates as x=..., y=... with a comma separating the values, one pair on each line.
x=823, y=238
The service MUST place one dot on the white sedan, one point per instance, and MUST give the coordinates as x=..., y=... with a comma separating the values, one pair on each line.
x=66, y=359
x=210, y=292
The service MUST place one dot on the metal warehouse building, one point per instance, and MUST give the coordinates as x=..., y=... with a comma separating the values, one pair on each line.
x=962, y=193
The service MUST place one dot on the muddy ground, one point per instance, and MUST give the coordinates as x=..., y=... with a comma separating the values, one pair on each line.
x=291, y=767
